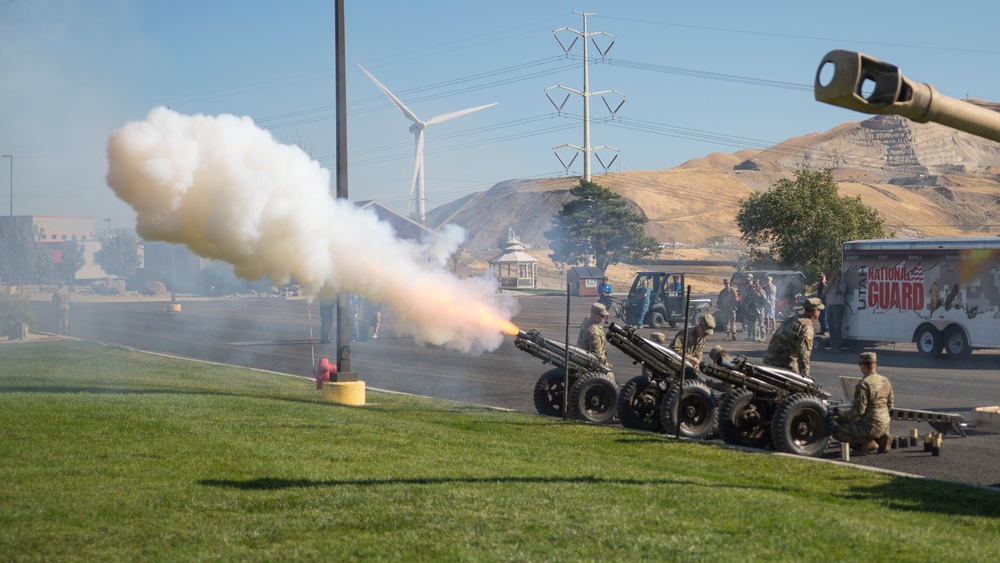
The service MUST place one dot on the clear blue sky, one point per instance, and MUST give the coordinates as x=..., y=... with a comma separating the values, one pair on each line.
x=699, y=77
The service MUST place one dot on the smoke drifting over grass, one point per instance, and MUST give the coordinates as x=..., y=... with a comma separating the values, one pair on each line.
x=228, y=191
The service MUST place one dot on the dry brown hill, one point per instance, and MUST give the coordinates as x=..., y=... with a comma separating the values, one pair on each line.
x=924, y=179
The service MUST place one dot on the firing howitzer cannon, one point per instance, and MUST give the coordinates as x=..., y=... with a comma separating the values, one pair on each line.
x=854, y=74
x=592, y=395
x=768, y=405
x=647, y=401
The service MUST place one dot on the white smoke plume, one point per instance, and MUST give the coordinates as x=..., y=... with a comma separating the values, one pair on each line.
x=224, y=188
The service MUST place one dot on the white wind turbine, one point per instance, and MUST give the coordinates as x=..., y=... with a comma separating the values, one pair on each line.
x=417, y=184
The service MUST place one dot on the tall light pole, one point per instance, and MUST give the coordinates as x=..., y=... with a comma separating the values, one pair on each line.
x=11, y=157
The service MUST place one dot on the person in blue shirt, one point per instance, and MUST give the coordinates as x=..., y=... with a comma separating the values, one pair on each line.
x=604, y=292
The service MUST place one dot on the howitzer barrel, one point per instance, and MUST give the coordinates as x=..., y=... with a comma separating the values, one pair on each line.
x=664, y=362
x=737, y=378
x=891, y=92
x=555, y=352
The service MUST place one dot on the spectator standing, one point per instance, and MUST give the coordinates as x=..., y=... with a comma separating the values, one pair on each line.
x=821, y=286
x=771, y=292
x=642, y=303
x=726, y=302
x=836, y=303
x=61, y=300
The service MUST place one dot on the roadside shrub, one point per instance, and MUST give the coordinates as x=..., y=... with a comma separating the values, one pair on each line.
x=108, y=286
x=15, y=310
x=153, y=288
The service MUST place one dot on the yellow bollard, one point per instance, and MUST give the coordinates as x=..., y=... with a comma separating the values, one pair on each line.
x=175, y=307
x=344, y=392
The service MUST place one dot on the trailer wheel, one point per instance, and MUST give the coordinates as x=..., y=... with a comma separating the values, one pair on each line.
x=743, y=420
x=697, y=409
x=593, y=398
x=929, y=341
x=956, y=343
x=802, y=425
x=549, y=392
x=656, y=320
x=639, y=405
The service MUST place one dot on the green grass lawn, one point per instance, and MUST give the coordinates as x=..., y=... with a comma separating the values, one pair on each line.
x=109, y=454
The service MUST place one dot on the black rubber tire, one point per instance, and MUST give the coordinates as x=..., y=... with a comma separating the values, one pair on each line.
x=549, y=391
x=930, y=342
x=744, y=420
x=956, y=344
x=639, y=404
x=593, y=398
x=802, y=425
x=656, y=319
x=697, y=410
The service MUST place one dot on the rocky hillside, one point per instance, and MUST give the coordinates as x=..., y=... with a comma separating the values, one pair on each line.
x=925, y=180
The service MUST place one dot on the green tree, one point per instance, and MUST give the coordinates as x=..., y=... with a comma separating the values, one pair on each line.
x=802, y=223
x=598, y=222
x=119, y=255
x=23, y=258
x=72, y=260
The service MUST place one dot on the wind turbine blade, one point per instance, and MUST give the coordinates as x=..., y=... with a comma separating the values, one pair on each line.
x=454, y=114
x=402, y=107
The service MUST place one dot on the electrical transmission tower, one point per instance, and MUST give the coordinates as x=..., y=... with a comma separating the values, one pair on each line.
x=586, y=149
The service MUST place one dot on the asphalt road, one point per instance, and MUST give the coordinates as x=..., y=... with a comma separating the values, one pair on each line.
x=277, y=335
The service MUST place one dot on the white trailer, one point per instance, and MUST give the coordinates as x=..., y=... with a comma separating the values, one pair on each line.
x=941, y=293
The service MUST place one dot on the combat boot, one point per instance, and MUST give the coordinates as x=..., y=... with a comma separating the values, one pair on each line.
x=864, y=447
x=884, y=443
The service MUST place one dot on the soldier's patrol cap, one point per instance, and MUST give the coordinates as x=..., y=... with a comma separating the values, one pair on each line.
x=867, y=358
x=814, y=303
x=715, y=352
x=600, y=309
x=659, y=337
x=707, y=323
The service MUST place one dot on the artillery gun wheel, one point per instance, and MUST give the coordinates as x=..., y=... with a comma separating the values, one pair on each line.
x=802, y=425
x=743, y=420
x=549, y=392
x=593, y=398
x=639, y=404
x=697, y=409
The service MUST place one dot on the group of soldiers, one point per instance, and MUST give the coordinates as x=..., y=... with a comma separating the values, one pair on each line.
x=865, y=426
x=755, y=301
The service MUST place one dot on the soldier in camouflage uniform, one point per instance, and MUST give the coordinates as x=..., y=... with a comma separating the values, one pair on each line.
x=592, y=337
x=696, y=337
x=867, y=423
x=726, y=303
x=792, y=343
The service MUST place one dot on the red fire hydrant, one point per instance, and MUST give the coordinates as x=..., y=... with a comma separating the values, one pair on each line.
x=323, y=371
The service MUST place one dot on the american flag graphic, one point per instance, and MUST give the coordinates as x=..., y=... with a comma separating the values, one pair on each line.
x=917, y=274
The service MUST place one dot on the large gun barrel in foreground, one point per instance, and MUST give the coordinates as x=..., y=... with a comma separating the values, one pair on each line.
x=592, y=394
x=868, y=85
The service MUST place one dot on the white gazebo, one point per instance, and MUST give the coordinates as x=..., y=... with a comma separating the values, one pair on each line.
x=515, y=268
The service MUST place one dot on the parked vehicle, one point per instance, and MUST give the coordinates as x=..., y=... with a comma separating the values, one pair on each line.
x=666, y=303
x=941, y=293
